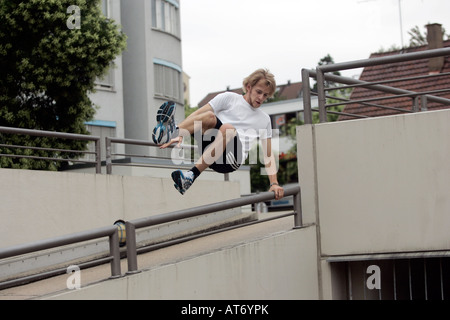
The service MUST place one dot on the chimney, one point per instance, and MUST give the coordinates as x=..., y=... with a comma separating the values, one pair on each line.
x=435, y=41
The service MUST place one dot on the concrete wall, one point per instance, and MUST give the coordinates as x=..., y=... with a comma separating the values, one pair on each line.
x=38, y=205
x=282, y=266
x=378, y=185
x=241, y=176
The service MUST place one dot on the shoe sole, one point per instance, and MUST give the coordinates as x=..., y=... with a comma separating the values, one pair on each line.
x=176, y=177
x=165, y=112
x=163, y=117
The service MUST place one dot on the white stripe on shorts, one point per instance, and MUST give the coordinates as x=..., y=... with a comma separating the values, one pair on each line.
x=231, y=160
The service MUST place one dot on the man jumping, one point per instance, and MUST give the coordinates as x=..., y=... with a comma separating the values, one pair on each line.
x=225, y=128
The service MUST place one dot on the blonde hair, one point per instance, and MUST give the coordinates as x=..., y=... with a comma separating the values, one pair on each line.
x=258, y=75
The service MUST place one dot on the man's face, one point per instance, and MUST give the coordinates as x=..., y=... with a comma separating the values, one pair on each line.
x=257, y=94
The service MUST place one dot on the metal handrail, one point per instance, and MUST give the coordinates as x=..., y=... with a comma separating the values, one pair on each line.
x=110, y=231
x=321, y=74
x=109, y=154
x=60, y=135
x=131, y=226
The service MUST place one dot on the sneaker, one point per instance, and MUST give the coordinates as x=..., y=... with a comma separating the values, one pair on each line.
x=183, y=181
x=165, y=127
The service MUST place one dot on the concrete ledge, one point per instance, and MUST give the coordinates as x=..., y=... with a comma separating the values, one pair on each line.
x=38, y=205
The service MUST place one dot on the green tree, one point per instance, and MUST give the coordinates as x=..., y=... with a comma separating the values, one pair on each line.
x=50, y=57
x=417, y=38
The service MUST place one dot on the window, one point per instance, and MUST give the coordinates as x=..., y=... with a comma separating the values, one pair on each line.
x=107, y=81
x=399, y=279
x=100, y=129
x=105, y=7
x=167, y=80
x=165, y=16
x=282, y=121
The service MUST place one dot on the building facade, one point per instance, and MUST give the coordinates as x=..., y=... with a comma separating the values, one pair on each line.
x=147, y=73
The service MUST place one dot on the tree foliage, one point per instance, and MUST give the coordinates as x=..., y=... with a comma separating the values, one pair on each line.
x=48, y=71
x=417, y=38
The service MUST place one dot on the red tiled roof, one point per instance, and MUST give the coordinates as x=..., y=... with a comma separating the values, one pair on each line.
x=287, y=91
x=211, y=95
x=399, y=71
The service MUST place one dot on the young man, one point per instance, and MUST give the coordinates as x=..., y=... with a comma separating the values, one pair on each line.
x=225, y=129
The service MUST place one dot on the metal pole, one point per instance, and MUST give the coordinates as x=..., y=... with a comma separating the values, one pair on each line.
x=321, y=95
x=115, y=253
x=423, y=102
x=131, y=226
x=377, y=87
x=306, y=97
x=401, y=20
x=56, y=242
x=108, y=155
x=387, y=59
x=416, y=107
x=209, y=208
x=349, y=282
x=131, y=248
x=298, y=218
x=98, y=157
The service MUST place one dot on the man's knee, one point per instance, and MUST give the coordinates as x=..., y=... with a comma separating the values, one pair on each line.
x=209, y=120
x=228, y=132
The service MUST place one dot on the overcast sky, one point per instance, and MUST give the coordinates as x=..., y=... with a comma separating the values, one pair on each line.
x=223, y=41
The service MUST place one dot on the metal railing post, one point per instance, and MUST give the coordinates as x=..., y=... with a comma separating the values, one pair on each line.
x=416, y=107
x=424, y=103
x=115, y=253
x=98, y=156
x=108, y=155
x=321, y=95
x=306, y=96
x=298, y=218
x=131, y=248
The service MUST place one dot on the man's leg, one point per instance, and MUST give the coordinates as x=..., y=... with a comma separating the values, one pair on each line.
x=167, y=133
x=207, y=119
x=215, y=150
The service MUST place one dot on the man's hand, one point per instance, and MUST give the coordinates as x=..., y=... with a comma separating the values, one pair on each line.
x=178, y=140
x=279, y=191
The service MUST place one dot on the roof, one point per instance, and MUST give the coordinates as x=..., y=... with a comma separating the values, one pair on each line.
x=399, y=70
x=285, y=92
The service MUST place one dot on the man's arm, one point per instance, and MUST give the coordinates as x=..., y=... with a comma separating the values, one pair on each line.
x=271, y=168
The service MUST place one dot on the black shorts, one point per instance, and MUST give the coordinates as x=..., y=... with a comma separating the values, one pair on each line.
x=232, y=157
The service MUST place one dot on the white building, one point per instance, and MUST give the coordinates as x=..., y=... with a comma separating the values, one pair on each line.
x=148, y=72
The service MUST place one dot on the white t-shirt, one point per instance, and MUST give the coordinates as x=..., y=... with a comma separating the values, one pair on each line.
x=250, y=123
